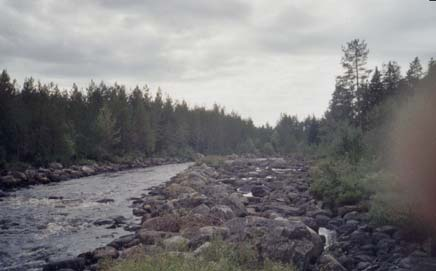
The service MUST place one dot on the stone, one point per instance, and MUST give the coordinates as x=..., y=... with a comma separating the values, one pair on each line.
x=329, y=263
x=103, y=221
x=223, y=212
x=201, y=249
x=202, y=209
x=148, y=237
x=105, y=200
x=105, y=252
x=322, y=220
x=19, y=175
x=259, y=191
x=124, y=241
x=215, y=232
x=9, y=181
x=76, y=263
x=176, y=243
x=55, y=165
x=87, y=170
x=164, y=223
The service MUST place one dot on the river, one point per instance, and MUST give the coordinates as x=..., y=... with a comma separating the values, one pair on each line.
x=68, y=218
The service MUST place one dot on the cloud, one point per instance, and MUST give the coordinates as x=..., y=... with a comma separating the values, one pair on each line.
x=257, y=57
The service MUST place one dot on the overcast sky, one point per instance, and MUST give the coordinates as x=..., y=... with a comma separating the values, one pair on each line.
x=258, y=58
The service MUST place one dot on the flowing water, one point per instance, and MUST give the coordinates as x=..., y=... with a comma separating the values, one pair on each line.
x=72, y=217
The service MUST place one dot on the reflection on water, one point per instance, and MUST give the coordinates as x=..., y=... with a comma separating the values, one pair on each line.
x=69, y=218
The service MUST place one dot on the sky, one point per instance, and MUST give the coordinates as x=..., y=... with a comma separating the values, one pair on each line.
x=258, y=58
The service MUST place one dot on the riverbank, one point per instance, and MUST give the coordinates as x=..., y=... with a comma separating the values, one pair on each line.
x=265, y=204
x=56, y=172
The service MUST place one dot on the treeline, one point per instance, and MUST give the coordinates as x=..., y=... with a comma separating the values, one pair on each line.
x=40, y=123
x=363, y=101
x=357, y=137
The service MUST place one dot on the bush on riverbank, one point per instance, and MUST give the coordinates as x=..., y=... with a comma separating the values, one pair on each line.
x=219, y=256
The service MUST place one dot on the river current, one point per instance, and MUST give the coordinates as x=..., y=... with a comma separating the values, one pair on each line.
x=65, y=219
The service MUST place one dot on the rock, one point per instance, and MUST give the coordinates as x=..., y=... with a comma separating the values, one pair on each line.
x=175, y=243
x=322, y=220
x=3, y=194
x=202, y=209
x=55, y=165
x=105, y=200
x=215, y=232
x=165, y=223
x=201, y=249
x=348, y=208
x=235, y=202
x=9, y=181
x=279, y=163
x=70, y=263
x=259, y=191
x=174, y=190
x=222, y=212
x=103, y=221
x=292, y=242
x=354, y=215
x=87, y=170
x=124, y=241
x=387, y=229
x=190, y=200
x=19, y=175
x=148, y=237
x=284, y=209
x=105, y=252
x=329, y=263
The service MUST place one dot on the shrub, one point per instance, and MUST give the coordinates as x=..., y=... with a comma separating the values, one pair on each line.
x=219, y=256
x=339, y=183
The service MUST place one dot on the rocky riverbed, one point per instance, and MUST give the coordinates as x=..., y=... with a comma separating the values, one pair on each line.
x=265, y=203
x=56, y=172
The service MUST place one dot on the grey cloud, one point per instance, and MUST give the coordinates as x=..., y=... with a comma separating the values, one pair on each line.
x=204, y=46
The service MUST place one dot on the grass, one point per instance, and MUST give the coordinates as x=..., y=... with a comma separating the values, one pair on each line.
x=219, y=256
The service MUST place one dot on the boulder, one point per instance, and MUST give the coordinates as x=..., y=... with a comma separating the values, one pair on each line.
x=202, y=209
x=105, y=252
x=55, y=165
x=259, y=191
x=328, y=263
x=148, y=237
x=165, y=223
x=292, y=242
x=222, y=212
x=125, y=241
x=9, y=181
x=174, y=190
x=201, y=248
x=68, y=263
x=215, y=232
x=175, y=243
x=87, y=170
x=19, y=175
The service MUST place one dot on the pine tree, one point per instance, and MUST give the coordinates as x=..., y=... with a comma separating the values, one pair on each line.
x=414, y=74
x=354, y=61
x=392, y=78
x=341, y=106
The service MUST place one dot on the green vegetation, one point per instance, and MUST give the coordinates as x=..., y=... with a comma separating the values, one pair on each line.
x=219, y=256
x=354, y=149
x=39, y=123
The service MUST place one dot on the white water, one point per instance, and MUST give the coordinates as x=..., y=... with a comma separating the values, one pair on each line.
x=35, y=227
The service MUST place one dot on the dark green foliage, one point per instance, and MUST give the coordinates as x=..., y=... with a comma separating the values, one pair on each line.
x=337, y=182
x=39, y=123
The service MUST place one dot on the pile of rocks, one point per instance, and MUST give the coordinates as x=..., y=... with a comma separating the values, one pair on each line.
x=56, y=172
x=359, y=245
x=262, y=202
